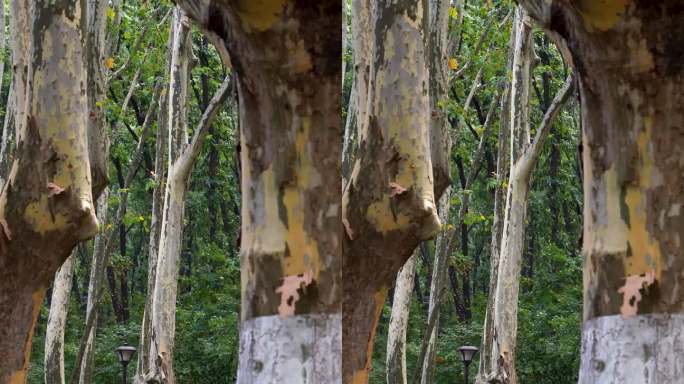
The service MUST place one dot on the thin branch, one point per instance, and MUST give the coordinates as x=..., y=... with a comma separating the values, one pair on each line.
x=532, y=153
x=480, y=42
x=191, y=152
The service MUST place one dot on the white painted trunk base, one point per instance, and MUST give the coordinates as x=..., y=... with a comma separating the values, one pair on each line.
x=643, y=349
x=300, y=349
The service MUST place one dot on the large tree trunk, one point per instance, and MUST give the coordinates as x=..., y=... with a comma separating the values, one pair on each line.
x=436, y=54
x=287, y=56
x=389, y=204
x=396, y=334
x=182, y=158
x=46, y=205
x=54, y=334
x=631, y=91
x=524, y=156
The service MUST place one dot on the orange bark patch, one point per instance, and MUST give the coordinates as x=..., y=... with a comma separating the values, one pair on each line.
x=631, y=292
x=19, y=377
x=288, y=292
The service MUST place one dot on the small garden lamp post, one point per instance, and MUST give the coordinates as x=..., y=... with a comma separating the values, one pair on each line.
x=467, y=354
x=124, y=353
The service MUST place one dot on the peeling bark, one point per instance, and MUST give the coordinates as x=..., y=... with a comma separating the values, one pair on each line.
x=46, y=205
x=436, y=25
x=389, y=204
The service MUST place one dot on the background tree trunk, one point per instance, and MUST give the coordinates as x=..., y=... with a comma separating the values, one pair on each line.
x=401, y=305
x=160, y=176
x=109, y=241
x=163, y=314
x=94, y=287
x=439, y=267
x=524, y=156
x=54, y=334
x=446, y=244
x=180, y=170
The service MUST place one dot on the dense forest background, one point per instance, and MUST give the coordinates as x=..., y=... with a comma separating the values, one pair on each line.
x=208, y=304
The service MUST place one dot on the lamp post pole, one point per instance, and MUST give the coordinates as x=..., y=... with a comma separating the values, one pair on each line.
x=465, y=372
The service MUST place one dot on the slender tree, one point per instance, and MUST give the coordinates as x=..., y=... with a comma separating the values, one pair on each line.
x=54, y=333
x=525, y=154
x=182, y=158
x=396, y=334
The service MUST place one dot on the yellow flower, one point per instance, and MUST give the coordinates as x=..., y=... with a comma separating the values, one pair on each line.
x=109, y=63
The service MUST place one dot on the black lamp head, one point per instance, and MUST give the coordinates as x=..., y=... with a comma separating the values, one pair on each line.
x=124, y=353
x=467, y=353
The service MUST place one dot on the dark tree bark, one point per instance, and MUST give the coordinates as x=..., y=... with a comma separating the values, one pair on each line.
x=287, y=58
